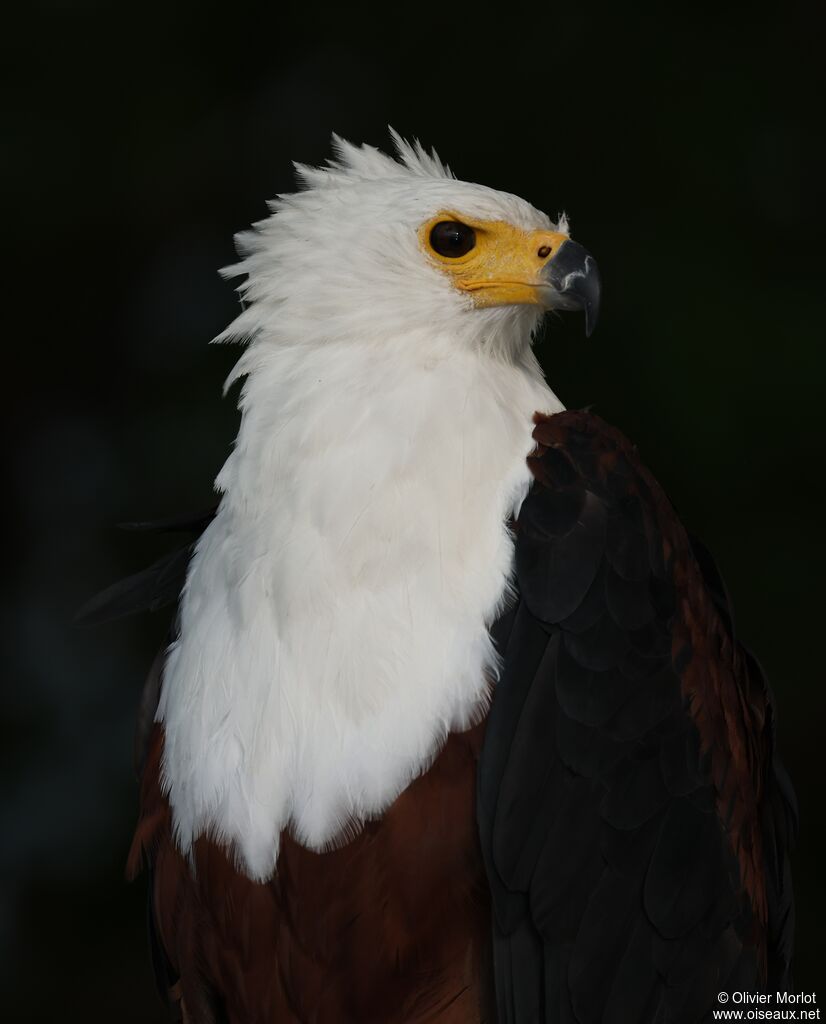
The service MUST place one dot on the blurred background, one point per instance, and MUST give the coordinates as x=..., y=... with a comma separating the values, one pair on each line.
x=684, y=147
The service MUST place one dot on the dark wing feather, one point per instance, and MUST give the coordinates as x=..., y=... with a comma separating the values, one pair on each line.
x=634, y=818
x=151, y=589
x=188, y=522
x=148, y=590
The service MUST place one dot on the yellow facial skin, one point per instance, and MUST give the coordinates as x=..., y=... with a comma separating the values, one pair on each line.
x=504, y=267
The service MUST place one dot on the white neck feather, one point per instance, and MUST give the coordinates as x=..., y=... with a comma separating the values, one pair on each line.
x=334, y=626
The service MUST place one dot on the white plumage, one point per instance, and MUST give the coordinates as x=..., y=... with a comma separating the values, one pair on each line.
x=334, y=625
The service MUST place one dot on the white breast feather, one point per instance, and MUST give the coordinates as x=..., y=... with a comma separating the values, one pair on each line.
x=334, y=626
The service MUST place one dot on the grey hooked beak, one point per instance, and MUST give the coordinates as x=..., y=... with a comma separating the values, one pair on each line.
x=573, y=278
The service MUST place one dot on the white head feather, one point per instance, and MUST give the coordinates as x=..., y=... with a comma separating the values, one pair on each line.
x=342, y=259
x=334, y=623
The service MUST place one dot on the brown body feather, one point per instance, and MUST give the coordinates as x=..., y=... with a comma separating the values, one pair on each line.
x=392, y=927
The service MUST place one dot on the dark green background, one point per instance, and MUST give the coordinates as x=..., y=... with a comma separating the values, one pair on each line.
x=686, y=146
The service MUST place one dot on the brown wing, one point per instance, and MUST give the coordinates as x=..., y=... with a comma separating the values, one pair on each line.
x=634, y=818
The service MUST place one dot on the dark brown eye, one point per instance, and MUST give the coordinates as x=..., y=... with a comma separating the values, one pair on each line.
x=452, y=238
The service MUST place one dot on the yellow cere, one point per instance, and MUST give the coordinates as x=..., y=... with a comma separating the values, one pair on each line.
x=503, y=267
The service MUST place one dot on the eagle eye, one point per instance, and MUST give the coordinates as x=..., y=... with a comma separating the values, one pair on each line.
x=451, y=238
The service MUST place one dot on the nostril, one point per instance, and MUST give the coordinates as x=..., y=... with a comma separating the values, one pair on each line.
x=544, y=251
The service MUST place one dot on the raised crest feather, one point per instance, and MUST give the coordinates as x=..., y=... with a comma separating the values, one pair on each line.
x=367, y=163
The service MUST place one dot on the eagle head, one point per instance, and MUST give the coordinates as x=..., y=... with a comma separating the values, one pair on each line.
x=374, y=247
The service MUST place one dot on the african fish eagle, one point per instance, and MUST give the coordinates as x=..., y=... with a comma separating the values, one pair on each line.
x=453, y=724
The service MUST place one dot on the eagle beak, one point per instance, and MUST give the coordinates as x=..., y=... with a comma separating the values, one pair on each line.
x=572, y=278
